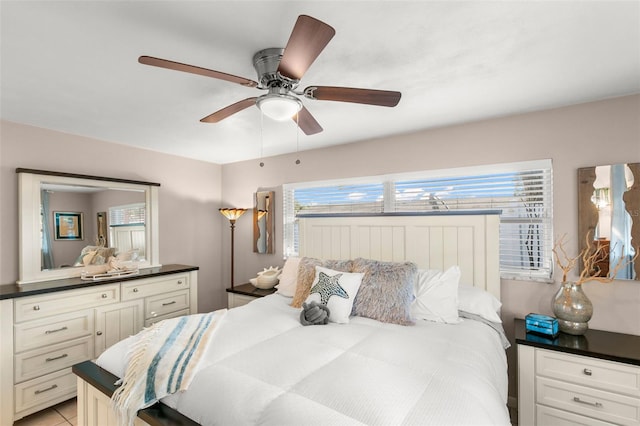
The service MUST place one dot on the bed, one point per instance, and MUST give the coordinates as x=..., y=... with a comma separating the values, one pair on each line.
x=262, y=366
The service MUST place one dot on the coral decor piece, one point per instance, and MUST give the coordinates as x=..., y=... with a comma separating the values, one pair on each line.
x=590, y=255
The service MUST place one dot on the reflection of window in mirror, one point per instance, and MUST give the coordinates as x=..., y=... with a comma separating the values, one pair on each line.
x=609, y=210
x=263, y=222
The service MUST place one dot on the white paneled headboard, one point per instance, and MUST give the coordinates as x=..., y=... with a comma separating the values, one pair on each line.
x=470, y=241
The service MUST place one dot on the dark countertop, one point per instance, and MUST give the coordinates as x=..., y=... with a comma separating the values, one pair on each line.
x=249, y=290
x=594, y=343
x=12, y=291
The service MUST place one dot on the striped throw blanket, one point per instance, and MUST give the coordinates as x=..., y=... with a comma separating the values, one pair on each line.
x=163, y=361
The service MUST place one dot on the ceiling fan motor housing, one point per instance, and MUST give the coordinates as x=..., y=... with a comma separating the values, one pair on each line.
x=266, y=63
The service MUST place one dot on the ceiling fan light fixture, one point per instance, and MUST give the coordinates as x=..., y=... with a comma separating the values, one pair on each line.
x=279, y=106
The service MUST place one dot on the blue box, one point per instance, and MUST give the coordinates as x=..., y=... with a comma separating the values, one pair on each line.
x=541, y=324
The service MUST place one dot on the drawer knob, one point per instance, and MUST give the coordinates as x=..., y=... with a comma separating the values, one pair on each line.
x=104, y=295
x=169, y=303
x=39, y=391
x=179, y=281
x=99, y=333
x=36, y=307
x=135, y=290
x=593, y=404
x=587, y=372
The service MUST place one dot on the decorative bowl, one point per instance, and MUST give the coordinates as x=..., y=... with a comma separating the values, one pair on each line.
x=268, y=278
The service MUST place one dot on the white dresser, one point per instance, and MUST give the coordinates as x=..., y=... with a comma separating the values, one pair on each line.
x=47, y=327
x=578, y=380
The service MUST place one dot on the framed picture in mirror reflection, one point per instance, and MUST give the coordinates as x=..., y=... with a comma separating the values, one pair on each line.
x=68, y=226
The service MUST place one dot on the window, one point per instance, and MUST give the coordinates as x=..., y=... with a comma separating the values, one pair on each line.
x=522, y=191
x=131, y=214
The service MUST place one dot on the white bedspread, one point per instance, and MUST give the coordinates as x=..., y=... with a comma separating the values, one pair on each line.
x=264, y=367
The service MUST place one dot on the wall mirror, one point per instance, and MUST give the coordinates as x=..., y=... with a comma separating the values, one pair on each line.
x=63, y=217
x=263, y=212
x=609, y=211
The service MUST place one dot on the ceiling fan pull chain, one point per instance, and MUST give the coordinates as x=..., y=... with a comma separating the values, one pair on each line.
x=297, y=135
x=261, y=139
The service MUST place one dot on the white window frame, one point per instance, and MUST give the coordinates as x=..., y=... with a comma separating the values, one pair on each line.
x=542, y=222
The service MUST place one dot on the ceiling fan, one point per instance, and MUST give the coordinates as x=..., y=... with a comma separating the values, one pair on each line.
x=279, y=72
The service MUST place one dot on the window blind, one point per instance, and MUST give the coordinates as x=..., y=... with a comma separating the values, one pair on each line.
x=522, y=191
x=131, y=214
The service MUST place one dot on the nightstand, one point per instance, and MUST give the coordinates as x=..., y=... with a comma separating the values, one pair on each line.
x=245, y=293
x=589, y=380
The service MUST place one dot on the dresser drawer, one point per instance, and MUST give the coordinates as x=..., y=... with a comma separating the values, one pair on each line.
x=48, y=331
x=166, y=303
x=44, y=391
x=592, y=372
x=154, y=286
x=551, y=416
x=601, y=405
x=42, y=361
x=150, y=321
x=36, y=307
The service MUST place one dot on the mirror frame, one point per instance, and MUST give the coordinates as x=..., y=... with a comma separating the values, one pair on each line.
x=30, y=244
x=268, y=220
x=588, y=212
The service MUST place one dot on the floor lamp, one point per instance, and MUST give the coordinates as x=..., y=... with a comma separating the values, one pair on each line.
x=232, y=215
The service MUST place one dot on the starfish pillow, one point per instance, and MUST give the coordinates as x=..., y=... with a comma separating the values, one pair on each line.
x=336, y=290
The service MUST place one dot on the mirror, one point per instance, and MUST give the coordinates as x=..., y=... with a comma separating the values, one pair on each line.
x=72, y=223
x=609, y=211
x=263, y=222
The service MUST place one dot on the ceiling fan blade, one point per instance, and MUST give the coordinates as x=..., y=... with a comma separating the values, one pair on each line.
x=177, y=66
x=308, y=38
x=351, y=94
x=307, y=123
x=229, y=110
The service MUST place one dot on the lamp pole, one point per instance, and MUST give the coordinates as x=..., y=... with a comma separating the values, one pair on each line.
x=232, y=215
x=233, y=226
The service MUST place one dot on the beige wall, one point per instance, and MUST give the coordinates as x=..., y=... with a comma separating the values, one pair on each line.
x=189, y=196
x=192, y=232
x=579, y=136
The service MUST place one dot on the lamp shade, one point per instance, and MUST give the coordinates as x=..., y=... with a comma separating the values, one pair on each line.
x=232, y=214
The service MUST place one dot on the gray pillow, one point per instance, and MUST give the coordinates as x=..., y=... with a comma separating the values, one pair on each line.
x=386, y=291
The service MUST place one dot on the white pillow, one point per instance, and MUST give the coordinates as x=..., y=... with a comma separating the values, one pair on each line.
x=337, y=290
x=437, y=295
x=289, y=277
x=480, y=302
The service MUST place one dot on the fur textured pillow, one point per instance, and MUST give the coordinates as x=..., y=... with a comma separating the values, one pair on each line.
x=386, y=291
x=307, y=273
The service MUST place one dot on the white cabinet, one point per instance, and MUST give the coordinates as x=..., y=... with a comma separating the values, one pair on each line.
x=567, y=389
x=244, y=293
x=56, y=329
x=116, y=322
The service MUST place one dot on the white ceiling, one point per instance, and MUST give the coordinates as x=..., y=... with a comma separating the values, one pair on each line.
x=72, y=66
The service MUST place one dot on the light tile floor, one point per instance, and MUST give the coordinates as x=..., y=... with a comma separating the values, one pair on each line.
x=63, y=414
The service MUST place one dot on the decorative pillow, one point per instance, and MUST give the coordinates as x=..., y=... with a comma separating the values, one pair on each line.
x=437, y=295
x=386, y=291
x=477, y=301
x=307, y=272
x=336, y=290
x=289, y=277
